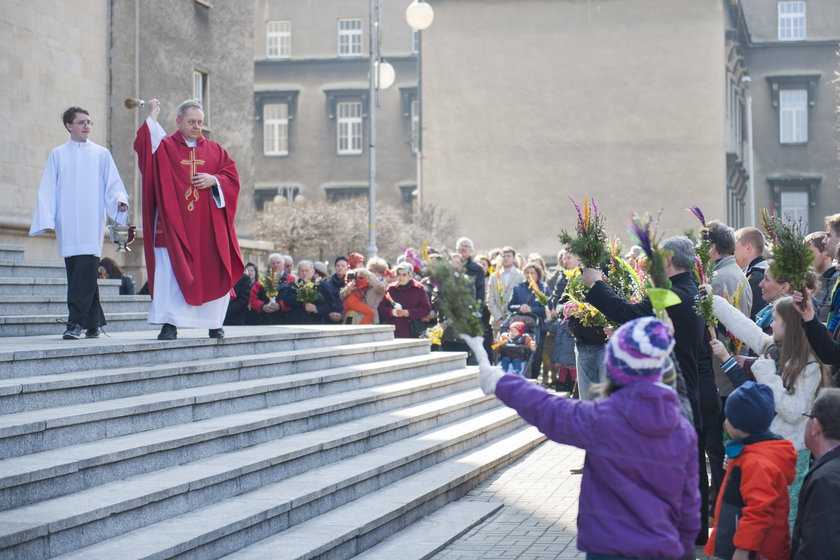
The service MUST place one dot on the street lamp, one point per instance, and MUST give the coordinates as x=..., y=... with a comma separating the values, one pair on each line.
x=381, y=75
x=419, y=15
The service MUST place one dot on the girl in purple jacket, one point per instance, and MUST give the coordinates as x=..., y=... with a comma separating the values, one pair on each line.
x=639, y=495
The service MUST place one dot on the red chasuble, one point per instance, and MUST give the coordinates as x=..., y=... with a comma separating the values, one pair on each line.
x=199, y=236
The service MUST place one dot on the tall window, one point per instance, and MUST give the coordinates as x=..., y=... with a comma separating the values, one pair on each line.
x=350, y=37
x=793, y=116
x=791, y=21
x=200, y=91
x=415, y=125
x=276, y=129
x=278, y=39
x=795, y=207
x=349, y=128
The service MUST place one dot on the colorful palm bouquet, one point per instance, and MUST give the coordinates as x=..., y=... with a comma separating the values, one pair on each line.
x=541, y=298
x=577, y=308
x=435, y=332
x=270, y=285
x=643, y=231
x=704, y=268
x=623, y=278
x=590, y=241
x=307, y=291
x=791, y=257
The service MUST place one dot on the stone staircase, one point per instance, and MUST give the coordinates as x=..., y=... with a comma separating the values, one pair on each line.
x=33, y=298
x=276, y=442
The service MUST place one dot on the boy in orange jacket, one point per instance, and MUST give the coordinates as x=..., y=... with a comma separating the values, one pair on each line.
x=751, y=516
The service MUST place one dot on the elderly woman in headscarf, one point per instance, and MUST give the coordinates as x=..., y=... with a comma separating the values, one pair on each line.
x=404, y=304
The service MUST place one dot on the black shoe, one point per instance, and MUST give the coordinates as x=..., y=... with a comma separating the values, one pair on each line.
x=168, y=332
x=73, y=332
x=92, y=333
x=217, y=333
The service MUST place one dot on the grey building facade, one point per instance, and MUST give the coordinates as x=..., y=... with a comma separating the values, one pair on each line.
x=792, y=57
x=310, y=98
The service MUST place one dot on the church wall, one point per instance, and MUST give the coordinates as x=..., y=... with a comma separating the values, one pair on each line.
x=52, y=55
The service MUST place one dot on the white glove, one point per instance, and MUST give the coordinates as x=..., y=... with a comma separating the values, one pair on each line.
x=489, y=375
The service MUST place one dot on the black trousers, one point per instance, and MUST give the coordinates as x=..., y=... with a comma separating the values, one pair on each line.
x=83, y=291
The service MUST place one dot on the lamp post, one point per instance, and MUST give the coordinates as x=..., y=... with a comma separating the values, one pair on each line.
x=380, y=76
x=419, y=15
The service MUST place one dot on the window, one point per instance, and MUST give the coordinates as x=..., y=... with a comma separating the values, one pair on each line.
x=349, y=37
x=415, y=125
x=278, y=39
x=276, y=129
x=415, y=41
x=793, y=116
x=349, y=128
x=791, y=21
x=795, y=205
x=335, y=193
x=200, y=88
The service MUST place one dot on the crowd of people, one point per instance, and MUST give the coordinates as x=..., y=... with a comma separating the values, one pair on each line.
x=682, y=418
x=756, y=418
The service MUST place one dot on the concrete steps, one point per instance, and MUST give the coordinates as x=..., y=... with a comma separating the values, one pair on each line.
x=33, y=298
x=11, y=252
x=300, y=441
x=46, y=287
x=19, y=268
x=56, y=304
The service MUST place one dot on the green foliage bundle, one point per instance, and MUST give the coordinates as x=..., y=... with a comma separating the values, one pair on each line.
x=457, y=302
x=704, y=268
x=790, y=254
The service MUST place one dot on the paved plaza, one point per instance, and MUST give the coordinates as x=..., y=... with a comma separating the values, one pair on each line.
x=538, y=520
x=540, y=493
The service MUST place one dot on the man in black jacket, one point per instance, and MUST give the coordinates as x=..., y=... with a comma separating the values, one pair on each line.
x=691, y=349
x=474, y=270
x=815, y=534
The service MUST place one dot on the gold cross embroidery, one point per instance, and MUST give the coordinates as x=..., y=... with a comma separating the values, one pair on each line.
x=192, y=192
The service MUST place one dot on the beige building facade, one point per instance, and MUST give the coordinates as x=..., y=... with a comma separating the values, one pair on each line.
x=529, y=103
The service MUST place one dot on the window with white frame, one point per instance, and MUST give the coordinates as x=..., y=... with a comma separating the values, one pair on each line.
x=349, y=128
x=276, y=129
x=415, y=125
x=793, y=116
x=200, y=91
x=795, y=206
x=350, y=37
x=200, y=87
x=278, y=39
x=791, y=21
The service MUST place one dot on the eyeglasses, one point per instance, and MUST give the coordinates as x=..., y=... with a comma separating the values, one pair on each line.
x=84, y=123
x=808, y=415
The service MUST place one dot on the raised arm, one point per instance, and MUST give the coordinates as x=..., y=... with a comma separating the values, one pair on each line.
x=740, y=325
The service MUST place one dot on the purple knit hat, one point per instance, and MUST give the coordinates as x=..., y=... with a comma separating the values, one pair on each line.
x=638, y=350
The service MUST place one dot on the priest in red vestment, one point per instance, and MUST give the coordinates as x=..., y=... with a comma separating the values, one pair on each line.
x=190, y=191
